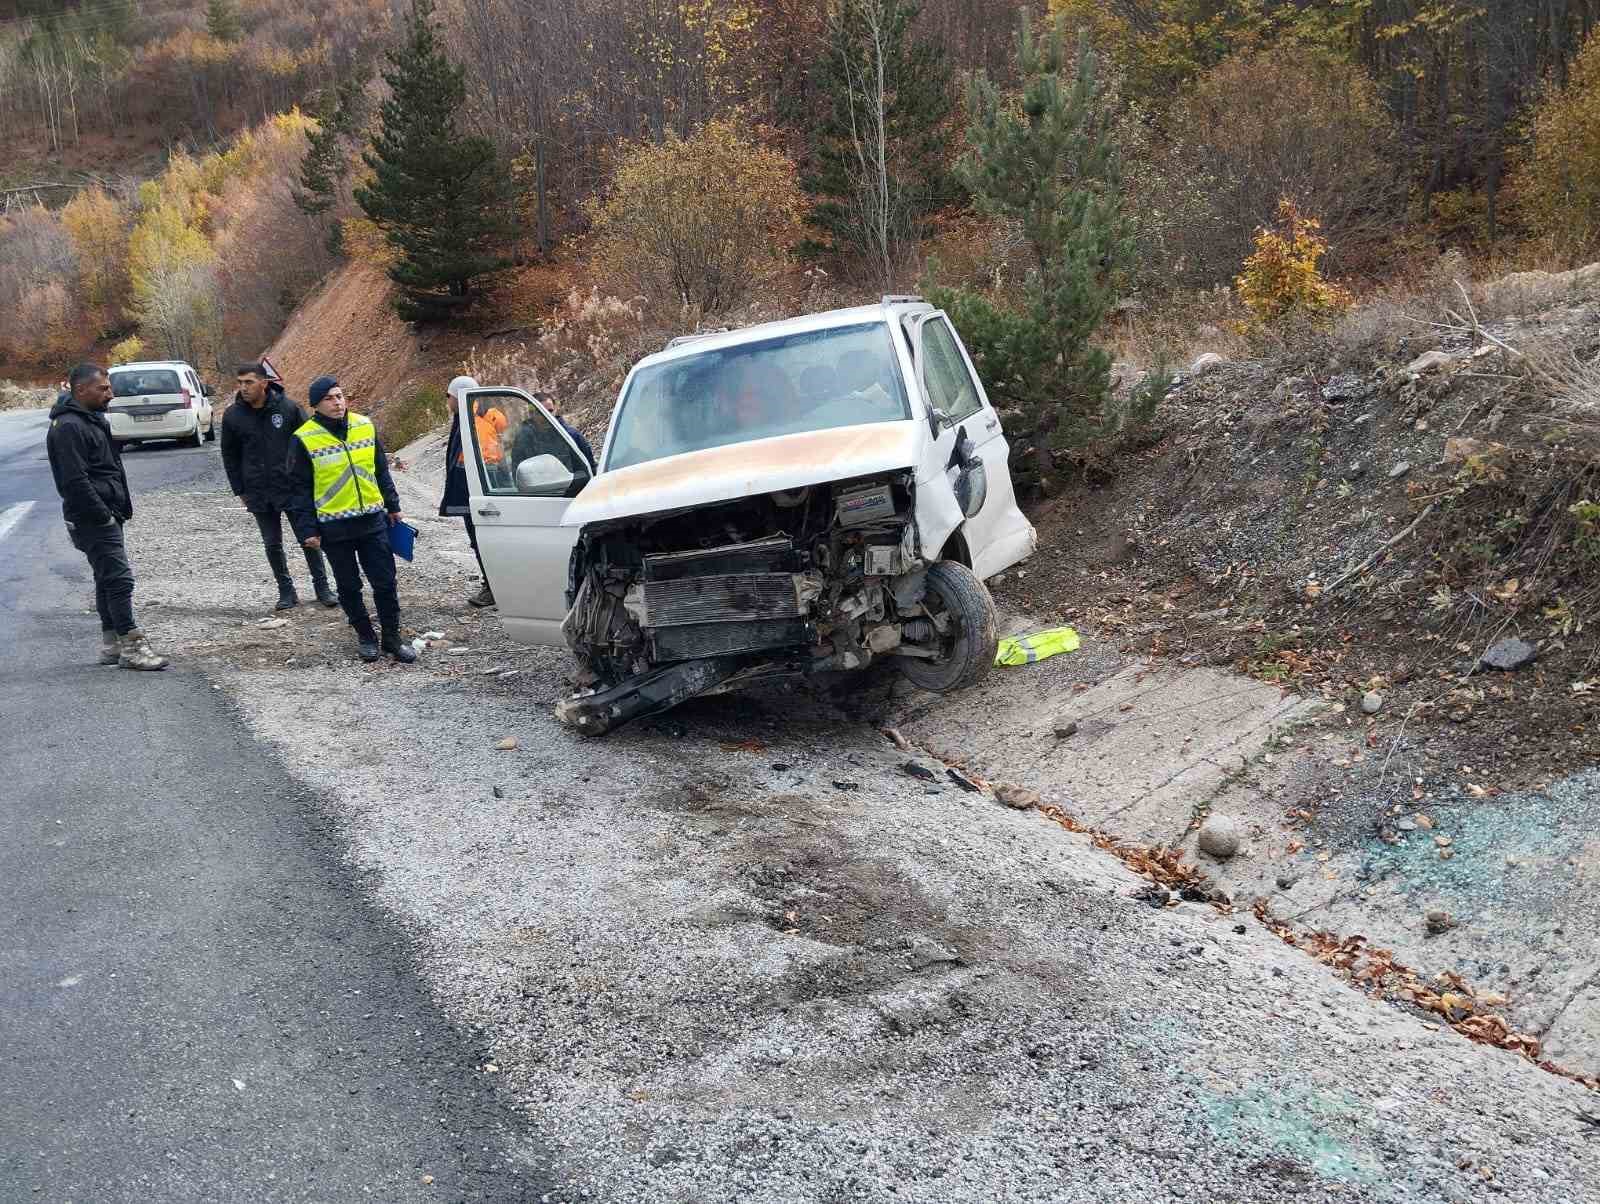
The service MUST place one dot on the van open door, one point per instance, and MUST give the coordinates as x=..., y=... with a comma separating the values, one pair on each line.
x=523, y=472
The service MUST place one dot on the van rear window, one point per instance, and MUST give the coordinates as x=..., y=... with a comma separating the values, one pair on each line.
x=144, y=383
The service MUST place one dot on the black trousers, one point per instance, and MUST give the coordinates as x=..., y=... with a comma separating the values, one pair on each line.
x=270, y=524
x=113, y=575
x=369, y=554
x=472, y=538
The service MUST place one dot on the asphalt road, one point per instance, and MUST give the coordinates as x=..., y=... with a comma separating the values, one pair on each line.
x=196, y=1000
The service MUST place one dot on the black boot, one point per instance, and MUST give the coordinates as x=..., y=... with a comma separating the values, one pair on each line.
x=319, y=578
x=367, y=644
x=287, y=598
x=398, y=648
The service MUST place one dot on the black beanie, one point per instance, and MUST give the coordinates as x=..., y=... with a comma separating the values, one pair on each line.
x=320, y=389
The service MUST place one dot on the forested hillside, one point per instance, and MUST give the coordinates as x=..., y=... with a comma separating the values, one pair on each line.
x=1074, y=180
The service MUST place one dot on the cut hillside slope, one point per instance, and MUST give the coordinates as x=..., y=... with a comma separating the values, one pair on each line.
x=348, y=328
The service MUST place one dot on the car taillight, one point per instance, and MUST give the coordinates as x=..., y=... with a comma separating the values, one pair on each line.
x=188, y=399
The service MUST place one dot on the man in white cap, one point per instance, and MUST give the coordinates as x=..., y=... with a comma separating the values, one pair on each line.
x=456, y=500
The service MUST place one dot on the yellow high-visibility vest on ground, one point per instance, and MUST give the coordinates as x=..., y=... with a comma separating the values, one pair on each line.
x=344, y=472
x=1041, y=645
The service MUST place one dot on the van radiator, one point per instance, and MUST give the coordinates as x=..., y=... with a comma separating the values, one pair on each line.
x=736, y=598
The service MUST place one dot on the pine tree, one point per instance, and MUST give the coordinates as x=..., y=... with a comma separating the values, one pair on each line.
x=882, y=149
x=1046, y=162
x=437, y=194
x=222, y=21
x=326, y=159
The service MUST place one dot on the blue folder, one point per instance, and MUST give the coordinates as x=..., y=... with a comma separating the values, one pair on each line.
x=403, y=539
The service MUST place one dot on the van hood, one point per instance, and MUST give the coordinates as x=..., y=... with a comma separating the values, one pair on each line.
x=740, y=470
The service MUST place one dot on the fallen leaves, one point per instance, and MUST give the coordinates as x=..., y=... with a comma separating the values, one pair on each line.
x=1162, y=865
x=1447, y=996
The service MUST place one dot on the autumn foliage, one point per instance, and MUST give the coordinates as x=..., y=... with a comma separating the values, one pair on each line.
x=1558, y=183
x=1282, y=279
x=699, y=221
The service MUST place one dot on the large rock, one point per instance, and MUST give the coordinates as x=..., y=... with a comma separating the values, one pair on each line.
x=1205, y=363
x=1510, y=655
x=1221, y=836
x=1018, y=798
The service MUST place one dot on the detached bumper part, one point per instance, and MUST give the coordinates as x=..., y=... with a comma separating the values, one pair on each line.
x=602, y=711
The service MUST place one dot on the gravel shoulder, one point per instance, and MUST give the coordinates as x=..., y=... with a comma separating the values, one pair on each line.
x=741, y=954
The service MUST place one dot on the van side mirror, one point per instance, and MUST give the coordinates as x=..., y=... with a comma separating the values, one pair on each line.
x=207, y=390
x=547, y=476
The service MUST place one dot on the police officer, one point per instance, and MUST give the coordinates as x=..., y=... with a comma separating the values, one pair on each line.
x=256, y=431
x=95, y=501
x=343, y=501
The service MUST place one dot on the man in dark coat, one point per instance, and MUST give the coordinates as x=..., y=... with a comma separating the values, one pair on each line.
x=96, y=502
x=343, y=501
x=257, y=429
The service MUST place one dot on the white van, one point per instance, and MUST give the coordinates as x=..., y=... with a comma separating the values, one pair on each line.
x=806, y=496
x=161, y=399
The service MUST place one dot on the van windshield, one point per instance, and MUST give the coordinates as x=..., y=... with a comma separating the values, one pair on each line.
x=143, y=382
x=811, y=381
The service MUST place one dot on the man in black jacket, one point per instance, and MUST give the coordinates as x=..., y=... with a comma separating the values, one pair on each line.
x=256, y=432
x=343, y=500
x=456, y=500
x=95, y=501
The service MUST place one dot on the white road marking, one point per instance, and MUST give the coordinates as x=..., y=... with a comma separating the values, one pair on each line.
x=13, y=515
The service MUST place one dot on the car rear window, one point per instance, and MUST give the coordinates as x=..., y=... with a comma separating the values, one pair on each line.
x=144, y=382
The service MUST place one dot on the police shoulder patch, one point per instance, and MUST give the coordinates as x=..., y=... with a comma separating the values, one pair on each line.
x=277, y=421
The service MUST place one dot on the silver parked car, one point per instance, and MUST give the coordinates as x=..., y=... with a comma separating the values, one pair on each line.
x=808, y=495
x=161, y=399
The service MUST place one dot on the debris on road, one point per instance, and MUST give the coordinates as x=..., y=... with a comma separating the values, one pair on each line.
x=920, y=772
x=1063, y=727
x=895, y=738
x=509, y=744
x=963, y=781
x=1371, y=702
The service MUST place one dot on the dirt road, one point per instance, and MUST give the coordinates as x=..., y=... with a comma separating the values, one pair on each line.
x=744, y=954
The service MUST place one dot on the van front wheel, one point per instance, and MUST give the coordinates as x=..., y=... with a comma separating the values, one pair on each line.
x=965, y=648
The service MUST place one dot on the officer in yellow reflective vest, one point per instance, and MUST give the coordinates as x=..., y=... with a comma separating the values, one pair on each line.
x=344, y=502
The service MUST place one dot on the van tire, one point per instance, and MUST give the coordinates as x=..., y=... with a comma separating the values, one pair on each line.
x=972, y=649
x=198, y=439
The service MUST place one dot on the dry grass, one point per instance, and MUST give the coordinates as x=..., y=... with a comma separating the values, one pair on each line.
x=1179, y=329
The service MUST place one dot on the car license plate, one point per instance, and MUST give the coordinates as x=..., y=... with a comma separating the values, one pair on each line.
x=147, y=417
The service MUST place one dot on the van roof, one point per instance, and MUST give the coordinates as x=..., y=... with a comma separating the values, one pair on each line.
x=884, y=311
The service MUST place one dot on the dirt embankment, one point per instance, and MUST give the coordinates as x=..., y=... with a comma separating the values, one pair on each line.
x=348, y=328
x=1358, y=525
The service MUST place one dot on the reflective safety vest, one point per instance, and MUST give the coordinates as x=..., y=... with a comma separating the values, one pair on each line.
x=344, y=480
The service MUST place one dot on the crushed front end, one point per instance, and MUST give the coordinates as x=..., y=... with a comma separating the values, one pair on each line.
x=665, y=607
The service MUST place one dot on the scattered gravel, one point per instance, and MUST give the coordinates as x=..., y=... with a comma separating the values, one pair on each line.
x=702, y=973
